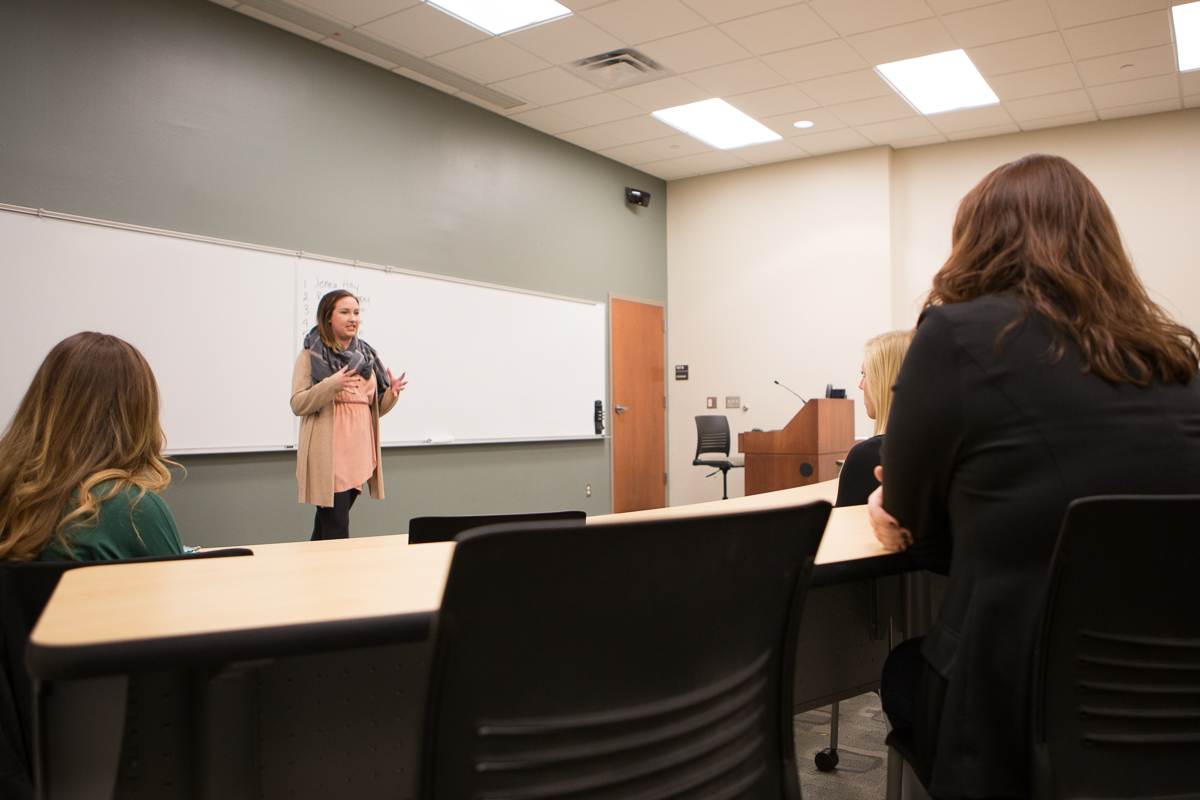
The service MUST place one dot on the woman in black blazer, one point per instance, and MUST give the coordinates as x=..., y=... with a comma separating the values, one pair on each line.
x=1040, y=372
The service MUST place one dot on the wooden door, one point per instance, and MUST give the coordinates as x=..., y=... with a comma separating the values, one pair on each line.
x=638, y=415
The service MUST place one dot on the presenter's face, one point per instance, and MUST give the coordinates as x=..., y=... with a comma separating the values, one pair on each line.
x=345, y=320
x=868, y=404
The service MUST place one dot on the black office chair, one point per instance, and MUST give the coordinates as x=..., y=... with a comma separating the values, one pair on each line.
x=25, y=589
x=639, y=659
x=1116, y=692
x=712, y=449
x=422, y=530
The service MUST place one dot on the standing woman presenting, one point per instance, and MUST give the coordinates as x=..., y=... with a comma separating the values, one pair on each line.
x=341, y=389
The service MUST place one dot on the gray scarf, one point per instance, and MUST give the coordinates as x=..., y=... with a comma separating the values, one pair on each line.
x=360, y=357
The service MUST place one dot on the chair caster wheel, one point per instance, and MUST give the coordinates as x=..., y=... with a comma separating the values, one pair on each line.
x=826, y=760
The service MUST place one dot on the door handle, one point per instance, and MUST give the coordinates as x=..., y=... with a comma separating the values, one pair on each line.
x=619, y=408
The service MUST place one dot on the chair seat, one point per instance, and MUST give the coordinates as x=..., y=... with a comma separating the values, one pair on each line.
x=720, y=460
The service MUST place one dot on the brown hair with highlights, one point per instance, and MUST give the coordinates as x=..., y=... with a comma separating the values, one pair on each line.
x=325, y=317
x=89, y=417
x=1037, y=228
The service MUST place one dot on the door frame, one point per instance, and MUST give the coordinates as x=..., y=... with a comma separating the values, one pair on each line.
x=612, y=462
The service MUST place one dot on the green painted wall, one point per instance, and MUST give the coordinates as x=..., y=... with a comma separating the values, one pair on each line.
x=184, y=115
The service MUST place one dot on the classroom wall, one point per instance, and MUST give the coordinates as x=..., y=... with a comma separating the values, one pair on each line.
x=775, y=273
x=757, y=292
x=184, y=115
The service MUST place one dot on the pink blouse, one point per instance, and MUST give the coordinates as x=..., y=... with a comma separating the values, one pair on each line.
x=353, y=435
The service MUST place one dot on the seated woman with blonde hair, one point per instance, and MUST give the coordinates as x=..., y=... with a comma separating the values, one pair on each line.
x=81, y=461
x=882, y=357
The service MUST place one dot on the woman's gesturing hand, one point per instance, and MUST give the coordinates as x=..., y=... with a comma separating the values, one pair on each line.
x=398, y=384
x=887, y=528
x=345, y=378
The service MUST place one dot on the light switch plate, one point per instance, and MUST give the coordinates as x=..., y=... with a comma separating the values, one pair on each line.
x=710, y=402
x=733, y=402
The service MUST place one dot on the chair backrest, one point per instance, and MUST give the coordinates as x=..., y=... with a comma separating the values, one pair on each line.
x=1116, y=695
x=639, y=659
x=422, y=530
x=712, y=434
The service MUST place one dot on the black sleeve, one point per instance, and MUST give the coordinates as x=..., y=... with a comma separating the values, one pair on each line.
x=924, y=433
x=857, y=478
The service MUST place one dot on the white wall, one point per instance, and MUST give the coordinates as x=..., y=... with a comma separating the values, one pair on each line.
x=773, y=273
x=782, y=272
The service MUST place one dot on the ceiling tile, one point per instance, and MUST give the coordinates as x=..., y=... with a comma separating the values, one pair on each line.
x=1032, y=82
x=1190, y=82
x=1020, y=54
x=667, y=170
x=637, y=21
x=724, y=10
x=1144, y=90
x=548, y=86
x=919, y=141
x=875, y=109
x=674, y=146
x=781, y=29
x=355, y=12
x=971, y=118
x=628, y=154
x=770, y=152
x=663, y=93
x=492, y=60
x=1192, y=101
x=425, y=31
x=685, y=52
x=590, y=138
x=769, y=102
x=562, y=41
x=271, y=19
x=638, y=129
x=1060, y=121
x=716, y=161
x=546, y=121
x=736, y=78
x=425, y=79
x=1000, y=22
x=833, y=141
x=816, y=60
x=580, y=5
x=1072, y=13
x=950, y=6
x=1119, y=35
x=858, y=16
x=1137, y=109
x=1049, y=105
x=479, y=101
x=226, y=3
x=910, y=40
x=849, y=87
x=1128, y=66
x=354, y=51
x=898, y=129
x=597, y=109
x=785, y=124
x=979, y=133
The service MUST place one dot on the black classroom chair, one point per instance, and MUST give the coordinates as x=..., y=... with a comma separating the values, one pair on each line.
x=712, y=449
x=25, y=589
x=1116, y=693
x=634, y=660
x=423, y=530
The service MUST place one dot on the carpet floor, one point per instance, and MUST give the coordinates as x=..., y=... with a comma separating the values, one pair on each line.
x=861, y=773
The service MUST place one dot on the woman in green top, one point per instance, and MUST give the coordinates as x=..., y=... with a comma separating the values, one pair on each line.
x=81, y=461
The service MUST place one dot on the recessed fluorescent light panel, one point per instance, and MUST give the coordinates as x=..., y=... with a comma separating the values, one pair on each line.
x=1187, y=35
x=940, y=82
x=502, y=17
x=717, y=123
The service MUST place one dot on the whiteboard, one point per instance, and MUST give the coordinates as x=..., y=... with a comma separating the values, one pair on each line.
x=221, y=324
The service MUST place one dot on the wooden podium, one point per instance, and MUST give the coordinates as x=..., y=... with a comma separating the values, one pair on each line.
x=805, y=451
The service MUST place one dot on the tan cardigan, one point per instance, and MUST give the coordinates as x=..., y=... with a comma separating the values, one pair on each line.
x=314, y=461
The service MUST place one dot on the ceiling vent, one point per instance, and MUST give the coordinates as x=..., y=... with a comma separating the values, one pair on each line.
x=618, y=69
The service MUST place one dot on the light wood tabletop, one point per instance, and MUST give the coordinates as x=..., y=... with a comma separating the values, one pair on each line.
x=297, y=583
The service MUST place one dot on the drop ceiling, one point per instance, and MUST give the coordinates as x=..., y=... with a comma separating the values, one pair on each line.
x=1051, y=63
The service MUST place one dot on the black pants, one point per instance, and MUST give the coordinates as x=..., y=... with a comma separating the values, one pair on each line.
x=334, y=522
x=913, y=695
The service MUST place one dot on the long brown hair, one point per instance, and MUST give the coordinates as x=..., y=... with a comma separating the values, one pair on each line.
x=1037, y=228
x=90, y=416
x=325, y=317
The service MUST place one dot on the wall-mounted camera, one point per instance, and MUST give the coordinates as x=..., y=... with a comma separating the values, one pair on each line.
x=637, y=197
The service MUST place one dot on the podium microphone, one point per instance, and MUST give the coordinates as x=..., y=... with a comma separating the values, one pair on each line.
x=802, y=400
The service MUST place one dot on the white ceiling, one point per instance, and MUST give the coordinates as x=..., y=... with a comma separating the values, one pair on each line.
x=1051, y=63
